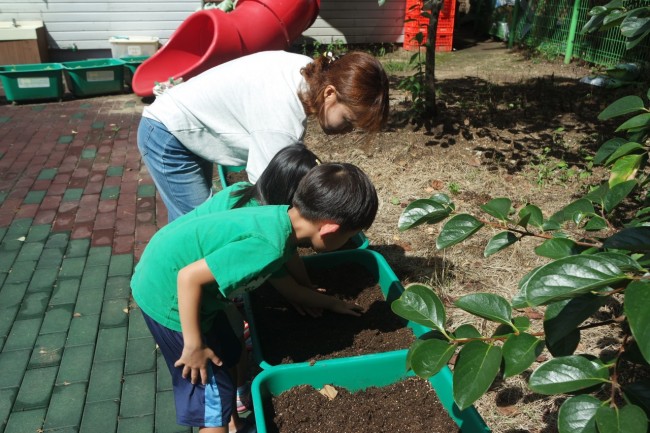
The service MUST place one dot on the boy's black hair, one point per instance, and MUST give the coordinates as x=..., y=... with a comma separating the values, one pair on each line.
x=337, y=192
x=278, y=183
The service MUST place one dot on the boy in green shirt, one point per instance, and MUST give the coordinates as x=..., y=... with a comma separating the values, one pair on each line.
x=193, y=266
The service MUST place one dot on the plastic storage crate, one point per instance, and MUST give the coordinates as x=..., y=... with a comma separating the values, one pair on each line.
x=133, y=46
x=32, y=81
x=356, y=373
x=130, y=65
x=372, y=261
x=94, y=77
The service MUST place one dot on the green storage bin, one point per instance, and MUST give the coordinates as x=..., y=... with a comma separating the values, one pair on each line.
x=130, y=65
x=94, y=77
x=371, y=260
x=354, y=374
x=32, y=81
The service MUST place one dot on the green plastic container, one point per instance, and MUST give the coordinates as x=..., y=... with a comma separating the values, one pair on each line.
x=354, y=374
x=32, y=81
x=130, y=65
x=94, y=77
x=371, y=260
x=359, y=240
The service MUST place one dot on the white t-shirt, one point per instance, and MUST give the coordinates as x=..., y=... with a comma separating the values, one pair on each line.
x=238, y=113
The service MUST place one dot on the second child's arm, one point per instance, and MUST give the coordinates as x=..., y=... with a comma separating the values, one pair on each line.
x=195, y=354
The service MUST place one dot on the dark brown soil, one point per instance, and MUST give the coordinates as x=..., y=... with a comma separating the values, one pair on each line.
x=288, y=337
x=409, y=406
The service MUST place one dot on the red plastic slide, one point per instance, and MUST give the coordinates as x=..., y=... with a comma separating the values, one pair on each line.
x=210, y=37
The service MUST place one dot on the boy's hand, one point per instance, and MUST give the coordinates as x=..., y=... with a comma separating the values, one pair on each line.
x=309, y=311
x=194, y=363
x=343, y=307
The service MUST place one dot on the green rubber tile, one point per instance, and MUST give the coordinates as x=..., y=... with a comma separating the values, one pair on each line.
x=78, y=248
x=50, y=258
x=58, y=240
x=31, y=251
x=65, y=139
x=114, y=313
x=73, y=194
x=163, y=378
x=4, y=119
x=138, y=395
x=22, y=273
x=121, y=264
x=88, y=153
x=25, y=422
x=97, y=125
x=65, y=292
x=8, y=258
x=23, y=334
x=117, y=287
x=146, y=191
x=94, y=277
x=110, y=193
x=57, y=319
x=70, y=429
x=3, y=277
x=99, y=256
x=99, y=417
x=140, y=356
x=89, y=301
x=76, y=364
x=83, y=330
x=137, y=326
x=7, y=397
x=3, y=230
x=36, y=389
x=166, y=414
x=33, y=306
x=47, y=174
x=19, y=227
x=11, y=243
x=142, y=424
x=48, y=350
x=16, y=362
x=105, y=381
x=43, y=280
x=111, y=344
x=78, y=116
x=39, y=233
x=66, y=406
x=115, y=170
x=11, y=295
x=34, y=197
x=3, y=196
x=72, y=267
x=86, y=105
x=7, y=316
x=38, y=107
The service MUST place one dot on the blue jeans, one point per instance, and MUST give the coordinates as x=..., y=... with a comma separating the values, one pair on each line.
x=183, y=179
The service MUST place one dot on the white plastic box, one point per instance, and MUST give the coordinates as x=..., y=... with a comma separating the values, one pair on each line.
x=133, y=46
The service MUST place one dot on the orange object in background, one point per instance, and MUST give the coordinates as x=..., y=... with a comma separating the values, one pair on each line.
x=415, y=23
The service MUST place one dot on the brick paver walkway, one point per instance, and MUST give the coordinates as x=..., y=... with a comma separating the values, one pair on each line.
x=76, y=210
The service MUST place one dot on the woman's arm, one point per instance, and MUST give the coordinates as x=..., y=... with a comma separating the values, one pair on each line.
x=195, y=354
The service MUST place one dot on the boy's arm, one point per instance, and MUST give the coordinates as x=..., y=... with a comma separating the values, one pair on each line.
x=296, y=267
x=195, y=354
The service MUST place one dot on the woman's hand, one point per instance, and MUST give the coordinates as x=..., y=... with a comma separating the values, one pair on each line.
x=194, y=362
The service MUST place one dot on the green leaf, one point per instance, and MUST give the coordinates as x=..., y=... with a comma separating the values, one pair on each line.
x=566, y=345
x=421, y=305
x=635, y=239
x=457, y=229
x=561, y=320
x=569, y=277
x=567, y=374
x=519, y=353
x=578, y=415
x=499, y=242
x=639, y=394
x=443, y=199
x=638, y=121
x=466, y=331
x=623, y=262
x=477, y=365
x=520, y=300
x=486, y=305
x=623, y=150
x=624, y=169
x=531, y=215
x=557, y=248
x=633, y=42
x=608, y=148
x=596, y=223
x=637, y=310
x=519, y=324
x=572, y=210
x=597, y=195
x=429, y=357
x=627, y=419
x=617, y=193
x=635, y=23
x=422, y=211
x=625, y=105
x=499, y=208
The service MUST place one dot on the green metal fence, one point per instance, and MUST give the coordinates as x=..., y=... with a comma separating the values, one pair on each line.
x=553, y=27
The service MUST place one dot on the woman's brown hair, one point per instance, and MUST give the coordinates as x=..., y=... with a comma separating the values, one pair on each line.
x=361, y=84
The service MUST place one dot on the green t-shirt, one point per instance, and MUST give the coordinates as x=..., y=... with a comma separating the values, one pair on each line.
x=242, y=248
x=223, y=200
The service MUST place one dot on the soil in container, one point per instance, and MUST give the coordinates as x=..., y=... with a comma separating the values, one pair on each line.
x=409, y=406
x=286, y=337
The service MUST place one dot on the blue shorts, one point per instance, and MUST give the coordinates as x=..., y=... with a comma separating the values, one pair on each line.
x=209, y=405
